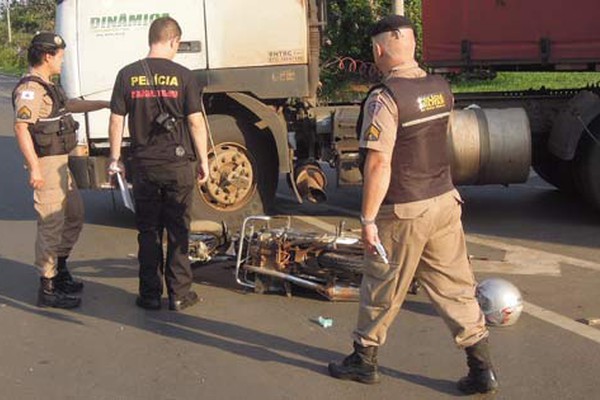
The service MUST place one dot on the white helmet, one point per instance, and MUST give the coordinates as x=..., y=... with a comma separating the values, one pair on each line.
x=500, y=301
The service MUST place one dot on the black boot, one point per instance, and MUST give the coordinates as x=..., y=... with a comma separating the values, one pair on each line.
x=481, y=378
x=50, y=296
x=360, y=366
x=64, y=281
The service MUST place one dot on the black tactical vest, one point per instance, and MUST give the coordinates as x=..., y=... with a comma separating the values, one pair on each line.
x=420, y=159
x=55, y=134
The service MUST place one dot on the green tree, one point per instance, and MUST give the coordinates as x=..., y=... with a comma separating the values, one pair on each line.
x=33, y=16
x=348, y=24
x=27, y=18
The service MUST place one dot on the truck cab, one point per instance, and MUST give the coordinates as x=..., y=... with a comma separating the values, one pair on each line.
x=247, y=67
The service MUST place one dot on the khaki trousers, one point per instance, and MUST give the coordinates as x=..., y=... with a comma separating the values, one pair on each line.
x=60, y=214
x=426, y=234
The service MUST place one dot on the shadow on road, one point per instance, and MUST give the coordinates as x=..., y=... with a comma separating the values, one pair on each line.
x=531, y=212
x=111, y=303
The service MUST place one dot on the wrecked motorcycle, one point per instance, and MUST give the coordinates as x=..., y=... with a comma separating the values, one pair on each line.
x=271, y=256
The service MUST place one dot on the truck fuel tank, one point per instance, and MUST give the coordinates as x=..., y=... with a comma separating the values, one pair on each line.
x=489, y=146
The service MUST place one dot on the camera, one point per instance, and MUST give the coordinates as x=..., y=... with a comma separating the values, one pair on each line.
x=167, y=122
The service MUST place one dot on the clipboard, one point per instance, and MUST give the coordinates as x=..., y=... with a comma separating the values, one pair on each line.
x=125, y=194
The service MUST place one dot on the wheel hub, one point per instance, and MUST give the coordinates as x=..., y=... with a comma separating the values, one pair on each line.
x=231, y=179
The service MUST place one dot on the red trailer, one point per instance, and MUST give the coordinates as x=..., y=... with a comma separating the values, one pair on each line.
x=529, y=35
x=540, y=34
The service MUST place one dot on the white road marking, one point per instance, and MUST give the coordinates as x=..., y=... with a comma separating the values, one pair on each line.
x=516, y=267
x=529, y=257
x=562, y=322
x=536, y=311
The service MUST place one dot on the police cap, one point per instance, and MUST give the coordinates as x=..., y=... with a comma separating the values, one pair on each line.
x=389, y=24
x=48, y=41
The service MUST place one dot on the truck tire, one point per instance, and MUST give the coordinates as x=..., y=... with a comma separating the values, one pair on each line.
x=587, y=165
x=244, y=171
x=559, y=173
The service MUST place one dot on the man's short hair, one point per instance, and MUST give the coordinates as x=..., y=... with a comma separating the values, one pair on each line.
x=163, y=29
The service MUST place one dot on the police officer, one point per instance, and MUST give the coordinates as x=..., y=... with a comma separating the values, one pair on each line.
x=168, y=133
x=46, y=133
x=411, y=207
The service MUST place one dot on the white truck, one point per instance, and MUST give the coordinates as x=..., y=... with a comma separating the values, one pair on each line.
x=258, y=61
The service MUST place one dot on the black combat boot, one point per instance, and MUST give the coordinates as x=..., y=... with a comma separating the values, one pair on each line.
x=64, y=281
x=50, y=296
x=360, y=366
x=481, y=378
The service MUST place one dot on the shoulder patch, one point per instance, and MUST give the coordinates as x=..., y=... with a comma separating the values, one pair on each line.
x=374, y=107
x=27, y=95
x=372, y=134
x=24, y=113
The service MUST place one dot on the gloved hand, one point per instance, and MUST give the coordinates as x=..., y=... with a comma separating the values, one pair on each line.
x=115, y=167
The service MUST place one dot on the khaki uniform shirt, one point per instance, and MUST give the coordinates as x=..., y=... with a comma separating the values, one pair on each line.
x=380, y=120
x=31, y=103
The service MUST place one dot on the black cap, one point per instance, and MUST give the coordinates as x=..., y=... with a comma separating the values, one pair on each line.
x=390, y=23
x=48, y=41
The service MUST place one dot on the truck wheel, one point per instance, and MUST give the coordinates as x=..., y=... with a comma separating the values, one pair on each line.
x=556, y=172
x=587, y=165
x=243, y=177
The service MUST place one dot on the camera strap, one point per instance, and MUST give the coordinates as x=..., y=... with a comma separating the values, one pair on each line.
x=150, y=77
x=180, y=150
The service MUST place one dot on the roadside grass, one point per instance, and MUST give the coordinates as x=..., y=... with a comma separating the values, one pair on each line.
x=517, y=81
x=348, y=89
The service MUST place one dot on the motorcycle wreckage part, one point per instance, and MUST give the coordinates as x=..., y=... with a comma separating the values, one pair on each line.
x=288, y=256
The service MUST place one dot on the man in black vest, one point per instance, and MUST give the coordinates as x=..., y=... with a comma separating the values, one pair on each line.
x=168, y=133
x=411, y=208
x=46, y=133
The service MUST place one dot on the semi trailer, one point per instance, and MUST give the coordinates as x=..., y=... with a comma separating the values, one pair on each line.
x=532, y=35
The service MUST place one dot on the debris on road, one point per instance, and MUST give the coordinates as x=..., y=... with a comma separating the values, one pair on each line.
x=590, y=321
x=325, y=322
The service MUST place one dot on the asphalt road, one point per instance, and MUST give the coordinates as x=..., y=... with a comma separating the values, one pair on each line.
x=237, y=344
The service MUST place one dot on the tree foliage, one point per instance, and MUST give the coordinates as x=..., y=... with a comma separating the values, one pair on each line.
x=33, y=15
x=26, y=19
x=349, y=22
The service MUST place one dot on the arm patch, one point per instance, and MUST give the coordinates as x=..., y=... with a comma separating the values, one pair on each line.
x=372, y=134
x=24, y=113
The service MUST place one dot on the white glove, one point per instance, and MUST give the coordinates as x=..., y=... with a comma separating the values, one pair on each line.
x=115, y=167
